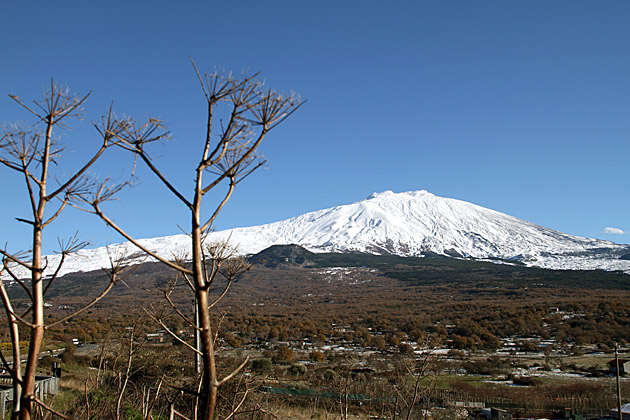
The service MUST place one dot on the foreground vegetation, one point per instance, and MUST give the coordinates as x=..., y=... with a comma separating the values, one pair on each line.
x=282, y=381
x=353, y=335
x=227, y=154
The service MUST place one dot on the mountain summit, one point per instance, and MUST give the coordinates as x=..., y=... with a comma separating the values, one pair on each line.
x=414, y=223
x=417, y=223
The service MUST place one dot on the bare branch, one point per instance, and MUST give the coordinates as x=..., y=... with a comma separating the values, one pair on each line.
x=85, y=396
x=19, y=318
x=58, y=103
x=233, y=269
x=73, y=179
x=7, y=366
x=207, y=225
x=181, y=260
x=168, y=185
x=232, y=133
x=238, y=406
x=58, y=212
x=19, y=101
x=203, y=86
x=66, y=248
x=178, y=414
x=13, y=332
x=236, y=161
x=123, y=385
x=114, y=226
x=10, y=165
x=218, y=252
x=234, y=372
x=167, y=296
x=171, y=333
x=28, y=177
x=116, y=269
x=19, y=281
x=104, y=191
x=244, y=172
x=111, y=284
x=294, y=107
x=28, y=222
x=21, y=146
x=16, y=260
x=225, y=290
x=50, y=409
x=217, y=329
x=134, y=135
x=148, y=415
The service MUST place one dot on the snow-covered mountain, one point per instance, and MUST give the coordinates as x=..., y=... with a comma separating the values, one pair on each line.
x=408, y=224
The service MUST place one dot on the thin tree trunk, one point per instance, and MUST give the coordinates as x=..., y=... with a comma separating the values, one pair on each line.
x=208, y=378
x=123, y=384
x=37, y=329
x=17, y=366
x=14, y=332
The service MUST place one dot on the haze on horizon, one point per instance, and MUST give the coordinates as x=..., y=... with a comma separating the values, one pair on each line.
x=518, y=107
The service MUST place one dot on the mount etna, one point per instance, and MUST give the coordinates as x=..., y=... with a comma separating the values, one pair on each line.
x=411, y=224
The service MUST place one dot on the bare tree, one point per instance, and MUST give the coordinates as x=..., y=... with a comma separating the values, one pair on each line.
x=228, y=155
x=125, y=374
x=33, y=152
x=418, y=383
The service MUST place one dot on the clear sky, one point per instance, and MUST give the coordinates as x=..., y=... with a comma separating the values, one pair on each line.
x=521, y=107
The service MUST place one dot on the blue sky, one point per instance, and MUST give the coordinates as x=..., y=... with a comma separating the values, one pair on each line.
x=522, y=107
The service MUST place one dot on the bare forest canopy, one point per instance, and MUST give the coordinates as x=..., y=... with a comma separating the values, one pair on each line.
x=291, y=293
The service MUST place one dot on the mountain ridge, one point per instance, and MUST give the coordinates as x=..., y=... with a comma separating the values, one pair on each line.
x=413, y=223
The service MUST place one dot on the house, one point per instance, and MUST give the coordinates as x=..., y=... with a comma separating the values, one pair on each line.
x=155, y=337
x=496, y=414
x=624, y=366
x=625, y=410
x=500, y=414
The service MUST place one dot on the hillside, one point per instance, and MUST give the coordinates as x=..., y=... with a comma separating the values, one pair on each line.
x=374, y=291
x=297, y=265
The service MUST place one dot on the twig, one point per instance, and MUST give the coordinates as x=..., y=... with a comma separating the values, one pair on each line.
x=171, y=333
x=55, y=412
x=239, y=405
x=234, y=372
